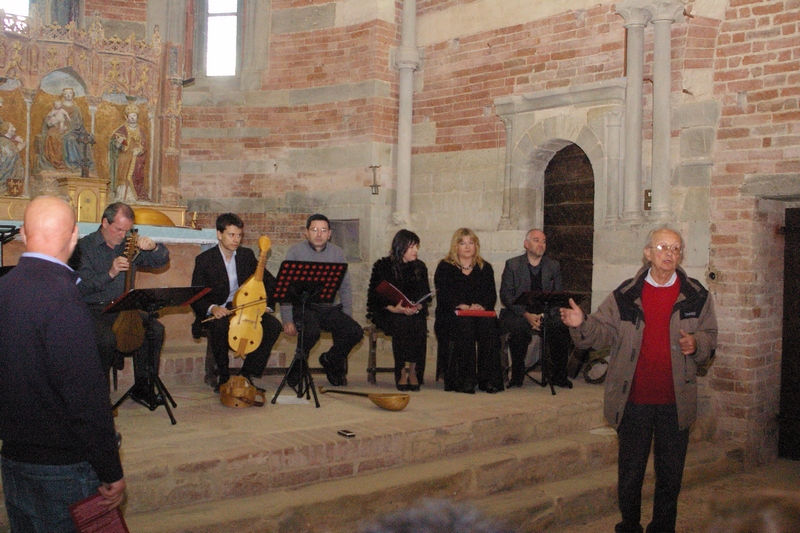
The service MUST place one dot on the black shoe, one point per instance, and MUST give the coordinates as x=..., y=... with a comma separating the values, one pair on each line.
x=335, y=378
x=563, y=383
x=466, y=390
x=140, y=394
x=250, y=379
x=516, y=381
x=489, y=389
x=222, y=381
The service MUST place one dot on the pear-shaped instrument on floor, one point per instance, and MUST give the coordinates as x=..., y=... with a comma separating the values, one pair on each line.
x=385, y=400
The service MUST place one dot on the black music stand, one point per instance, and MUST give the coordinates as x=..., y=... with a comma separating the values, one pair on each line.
x=542, y=303
x=303, y=283
x=7, y=233
x=151, y=301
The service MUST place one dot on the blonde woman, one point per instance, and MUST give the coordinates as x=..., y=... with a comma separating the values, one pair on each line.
x=469, y=346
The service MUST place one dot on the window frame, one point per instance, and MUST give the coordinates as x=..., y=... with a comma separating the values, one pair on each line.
x=201, y=40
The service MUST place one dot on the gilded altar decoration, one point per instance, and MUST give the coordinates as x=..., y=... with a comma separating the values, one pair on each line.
x=85, y=103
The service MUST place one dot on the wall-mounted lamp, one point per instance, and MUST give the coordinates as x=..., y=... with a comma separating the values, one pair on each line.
x=374, y=186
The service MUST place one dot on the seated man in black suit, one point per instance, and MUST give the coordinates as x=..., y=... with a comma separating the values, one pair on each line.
x=223, y=269
x=533, y=271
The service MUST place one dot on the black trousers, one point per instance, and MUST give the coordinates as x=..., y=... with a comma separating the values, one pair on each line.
x=256, y=360
x=520, y=335
x=107, y=343
x=345, y=331
x=641, y=427
x=472, y=355
x=409, y=335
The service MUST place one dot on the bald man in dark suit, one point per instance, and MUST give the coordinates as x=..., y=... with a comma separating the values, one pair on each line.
x=532, y=271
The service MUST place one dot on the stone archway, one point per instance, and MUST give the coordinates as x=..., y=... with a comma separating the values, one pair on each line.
x=538, y=126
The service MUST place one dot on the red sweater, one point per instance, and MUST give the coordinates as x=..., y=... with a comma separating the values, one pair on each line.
x=652, y=381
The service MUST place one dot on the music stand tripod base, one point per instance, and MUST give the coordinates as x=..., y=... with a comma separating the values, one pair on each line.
x=301, y=283
x=305, y=387
x=151, y=301
x=544, y=302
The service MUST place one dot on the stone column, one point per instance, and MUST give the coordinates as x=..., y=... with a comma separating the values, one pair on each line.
x=27, y=96
x=505, y=219
x=407, y=61
x=663, y=14
x=636, y=16
x=613, y=120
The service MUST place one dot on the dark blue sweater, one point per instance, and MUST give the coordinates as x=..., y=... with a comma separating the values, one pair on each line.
x=54, y=398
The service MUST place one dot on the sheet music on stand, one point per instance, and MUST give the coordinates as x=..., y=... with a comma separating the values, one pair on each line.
x=7, y=233
x=538, y=302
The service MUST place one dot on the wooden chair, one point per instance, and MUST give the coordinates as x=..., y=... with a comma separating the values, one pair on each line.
x=372, y=359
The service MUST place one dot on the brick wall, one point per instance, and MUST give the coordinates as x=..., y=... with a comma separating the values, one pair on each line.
x=756, y=81
x=461, y=78
x=328, y=58
x=283, y=229
x=127, y=10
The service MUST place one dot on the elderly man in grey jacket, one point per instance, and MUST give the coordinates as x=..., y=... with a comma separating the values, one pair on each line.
x=661, y=328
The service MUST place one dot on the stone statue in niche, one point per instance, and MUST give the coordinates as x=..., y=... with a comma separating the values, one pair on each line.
x=12, y=171
x=127, y=154
x=67, y=144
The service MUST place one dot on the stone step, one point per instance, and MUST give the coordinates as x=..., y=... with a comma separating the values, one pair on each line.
x=336, y=503
x=557, y=505
x=239, y=463
x=532, y=486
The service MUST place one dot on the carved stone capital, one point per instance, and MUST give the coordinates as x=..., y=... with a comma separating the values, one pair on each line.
x=666, y=11
x=634, y=12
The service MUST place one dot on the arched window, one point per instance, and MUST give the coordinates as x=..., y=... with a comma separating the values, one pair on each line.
x=218, y=37
x=60, y=12
x=15, y=7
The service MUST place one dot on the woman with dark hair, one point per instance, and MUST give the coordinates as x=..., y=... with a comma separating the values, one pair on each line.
x=406, y=325
x=464, y=281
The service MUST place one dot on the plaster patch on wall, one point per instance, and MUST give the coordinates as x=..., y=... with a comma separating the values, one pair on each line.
x=303, y=19
x=352, y=12
x=714, y=9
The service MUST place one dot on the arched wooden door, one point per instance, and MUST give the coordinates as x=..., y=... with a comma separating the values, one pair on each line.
x=569, y=216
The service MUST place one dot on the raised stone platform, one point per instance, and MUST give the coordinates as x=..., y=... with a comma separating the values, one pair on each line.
x=535, y=459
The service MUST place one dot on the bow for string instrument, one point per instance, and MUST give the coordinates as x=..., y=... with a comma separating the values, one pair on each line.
x=128, y=327
x=245, y=332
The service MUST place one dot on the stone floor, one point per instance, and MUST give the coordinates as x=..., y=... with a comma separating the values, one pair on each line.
x=694, y=504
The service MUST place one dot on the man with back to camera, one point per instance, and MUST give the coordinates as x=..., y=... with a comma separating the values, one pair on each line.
x=334, y=318
x=64, y=448
x=101, y=264
x=532, y=271
x=666, y=322
x=223, y=269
